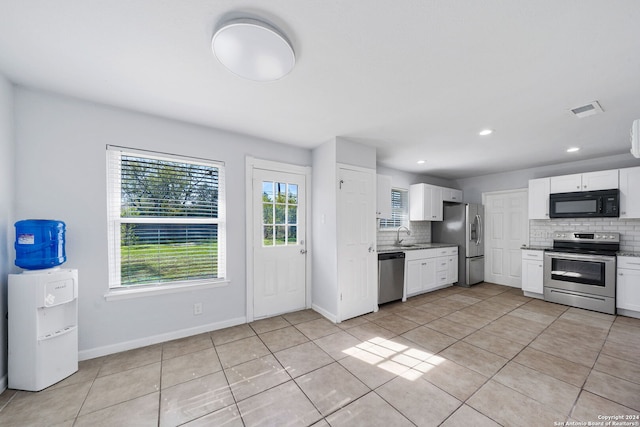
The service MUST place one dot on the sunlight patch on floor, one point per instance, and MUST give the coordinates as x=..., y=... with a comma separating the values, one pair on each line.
x=399, y=359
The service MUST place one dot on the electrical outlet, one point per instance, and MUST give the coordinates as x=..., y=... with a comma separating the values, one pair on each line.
x=197, y=308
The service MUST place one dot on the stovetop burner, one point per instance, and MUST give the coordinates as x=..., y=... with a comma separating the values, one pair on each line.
x=580, y=242
x=584, y=251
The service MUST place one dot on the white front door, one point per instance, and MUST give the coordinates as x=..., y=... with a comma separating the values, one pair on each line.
x=506, y=229
x=357, y=258
x=279, y=242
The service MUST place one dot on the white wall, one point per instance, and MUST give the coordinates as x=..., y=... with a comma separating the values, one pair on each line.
x=354, y=153
x=401, y=179
x=60, y=174
x=6, y=214
x=325, y=216
x=324, y=229
x=474, y=187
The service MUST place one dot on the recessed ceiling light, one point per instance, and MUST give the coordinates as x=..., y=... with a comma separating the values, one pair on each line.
x=573, y=149
x=485, y=132
x=421, y=162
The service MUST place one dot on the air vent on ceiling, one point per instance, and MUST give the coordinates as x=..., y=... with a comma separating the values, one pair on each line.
x=587, y=110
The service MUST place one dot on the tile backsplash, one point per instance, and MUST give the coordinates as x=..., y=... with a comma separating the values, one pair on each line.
x=420, y=233
x=541, y=230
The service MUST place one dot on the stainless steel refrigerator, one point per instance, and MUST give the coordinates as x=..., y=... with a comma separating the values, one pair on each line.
x=463, y=224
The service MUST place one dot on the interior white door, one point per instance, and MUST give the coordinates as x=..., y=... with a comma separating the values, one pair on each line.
x=506, y=229
x=279, y=249
x=357, y=258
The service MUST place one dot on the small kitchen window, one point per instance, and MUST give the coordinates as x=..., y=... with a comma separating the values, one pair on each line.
x=399, y=210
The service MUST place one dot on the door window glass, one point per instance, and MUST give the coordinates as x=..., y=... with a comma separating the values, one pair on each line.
x=280, y=213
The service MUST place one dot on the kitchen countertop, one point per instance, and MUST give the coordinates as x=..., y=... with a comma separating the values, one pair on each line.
x=626, y=253
x=413, y=247
x=547, y=248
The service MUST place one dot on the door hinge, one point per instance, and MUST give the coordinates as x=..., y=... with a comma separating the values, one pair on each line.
x=341, y=297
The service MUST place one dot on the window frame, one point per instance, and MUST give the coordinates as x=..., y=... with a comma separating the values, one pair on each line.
x=116, y=289
x=389, y=224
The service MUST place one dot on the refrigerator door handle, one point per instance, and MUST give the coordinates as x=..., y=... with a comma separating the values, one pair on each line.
x=480, y=232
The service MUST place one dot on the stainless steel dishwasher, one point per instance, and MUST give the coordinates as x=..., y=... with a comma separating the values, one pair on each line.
x=390, y=276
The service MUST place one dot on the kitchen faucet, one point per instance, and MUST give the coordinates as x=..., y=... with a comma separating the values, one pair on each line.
x=398, y=240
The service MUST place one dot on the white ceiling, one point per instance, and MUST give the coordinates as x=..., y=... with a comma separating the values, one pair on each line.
x=417, y=79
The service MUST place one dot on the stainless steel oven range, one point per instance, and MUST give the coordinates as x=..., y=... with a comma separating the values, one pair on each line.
x=580, y=271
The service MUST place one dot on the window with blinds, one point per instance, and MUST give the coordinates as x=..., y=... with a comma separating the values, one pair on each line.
x=166, y=219
x=399, y=210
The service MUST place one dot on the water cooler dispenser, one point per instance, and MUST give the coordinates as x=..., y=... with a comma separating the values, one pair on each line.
x=43, y=308
x=43, y=328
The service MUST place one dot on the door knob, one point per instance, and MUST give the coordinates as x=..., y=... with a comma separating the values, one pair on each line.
x=303, y=251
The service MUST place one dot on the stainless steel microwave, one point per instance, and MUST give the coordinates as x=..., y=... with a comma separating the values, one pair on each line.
x=585, y=204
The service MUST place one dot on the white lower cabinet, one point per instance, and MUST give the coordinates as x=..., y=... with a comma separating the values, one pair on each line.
x=430, y=269
x=628, y=286
x=533, y=273
x=420, y=275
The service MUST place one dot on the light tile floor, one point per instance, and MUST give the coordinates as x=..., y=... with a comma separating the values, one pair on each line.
x=483, y=356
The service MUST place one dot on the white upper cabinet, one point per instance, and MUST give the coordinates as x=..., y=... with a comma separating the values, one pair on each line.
x=451, y=195
x=539, y=190
x=566, y=183
x=425, y=202
x=590, y=181
x=630, y=193
x=600, y=180
x=383, y=199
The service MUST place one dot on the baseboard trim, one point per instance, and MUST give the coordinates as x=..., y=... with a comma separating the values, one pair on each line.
x=628, y=313
x=533, y=295
x=325, y=313
x=156, y=339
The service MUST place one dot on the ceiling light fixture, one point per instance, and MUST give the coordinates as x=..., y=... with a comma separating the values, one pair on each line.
x=253, y=50
x=573, y=149
x=587, y=110
x=421, y=162
x=485, y=132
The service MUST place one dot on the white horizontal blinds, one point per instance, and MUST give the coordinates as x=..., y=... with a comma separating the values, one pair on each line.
x=168, y=216
x=161, y=188
x=399, y=210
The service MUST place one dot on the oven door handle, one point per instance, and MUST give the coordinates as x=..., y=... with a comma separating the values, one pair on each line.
x=580, y=257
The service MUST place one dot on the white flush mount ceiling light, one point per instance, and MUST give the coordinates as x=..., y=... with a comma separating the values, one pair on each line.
x=253, y=49
x=485, y=132
x=420, y=162
x=573, y=149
